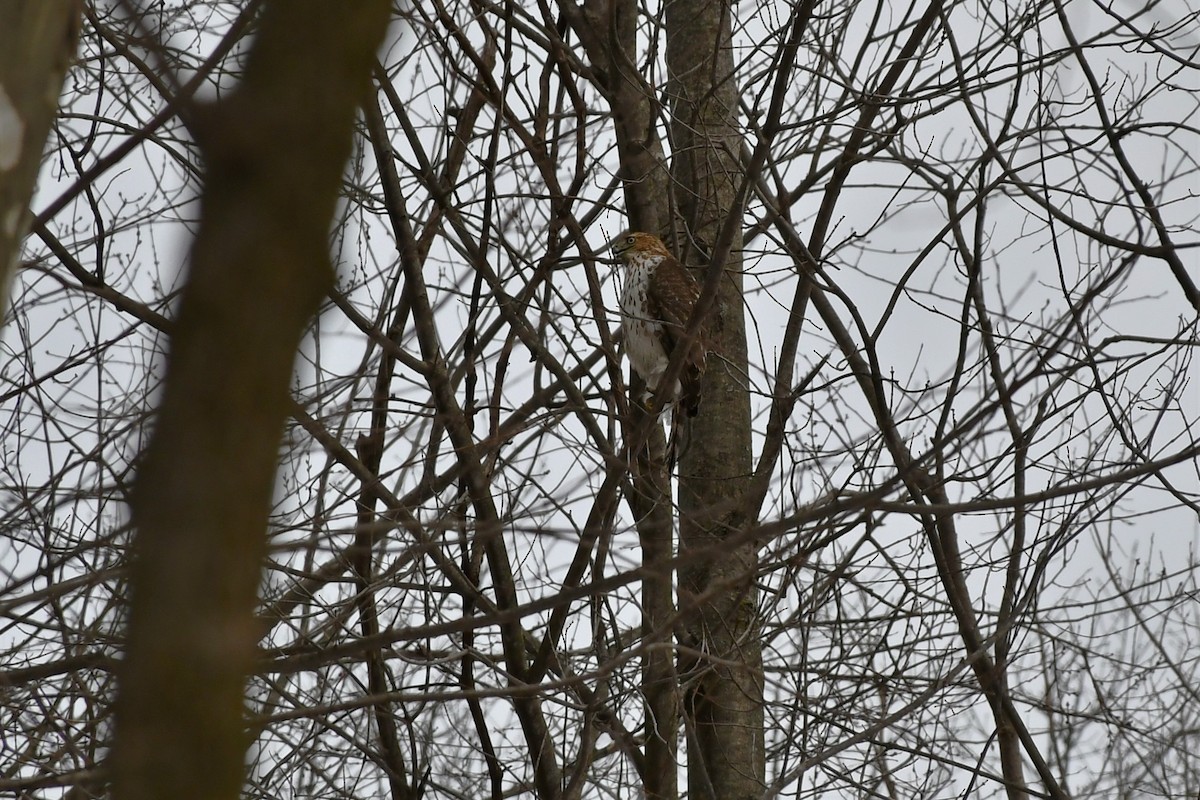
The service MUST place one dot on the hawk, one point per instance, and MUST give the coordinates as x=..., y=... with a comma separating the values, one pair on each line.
x=657, y=299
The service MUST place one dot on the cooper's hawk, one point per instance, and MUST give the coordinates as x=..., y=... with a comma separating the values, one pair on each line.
x=657, y=299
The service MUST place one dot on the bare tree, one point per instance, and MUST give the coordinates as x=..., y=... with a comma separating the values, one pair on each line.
x=932, y=533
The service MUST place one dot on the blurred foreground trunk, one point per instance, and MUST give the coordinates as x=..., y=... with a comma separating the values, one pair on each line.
x=37, y=41
x=274, y=152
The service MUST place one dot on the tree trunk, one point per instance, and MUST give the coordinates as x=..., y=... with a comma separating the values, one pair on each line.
x=721, y=665
x=37, y=40
x=607, y=29
x=259, y=267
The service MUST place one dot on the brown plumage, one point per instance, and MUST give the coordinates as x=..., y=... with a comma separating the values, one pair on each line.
x=657, y=300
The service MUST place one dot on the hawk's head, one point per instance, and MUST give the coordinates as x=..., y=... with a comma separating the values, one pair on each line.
x=637, y=242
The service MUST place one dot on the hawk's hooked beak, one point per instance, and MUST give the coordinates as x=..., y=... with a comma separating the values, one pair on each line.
x=622, y=245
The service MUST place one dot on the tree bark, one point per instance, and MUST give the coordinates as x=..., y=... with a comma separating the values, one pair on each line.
x=721, y=665
x=275, y=151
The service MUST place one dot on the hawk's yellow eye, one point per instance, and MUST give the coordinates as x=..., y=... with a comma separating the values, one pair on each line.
x=628, y=240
